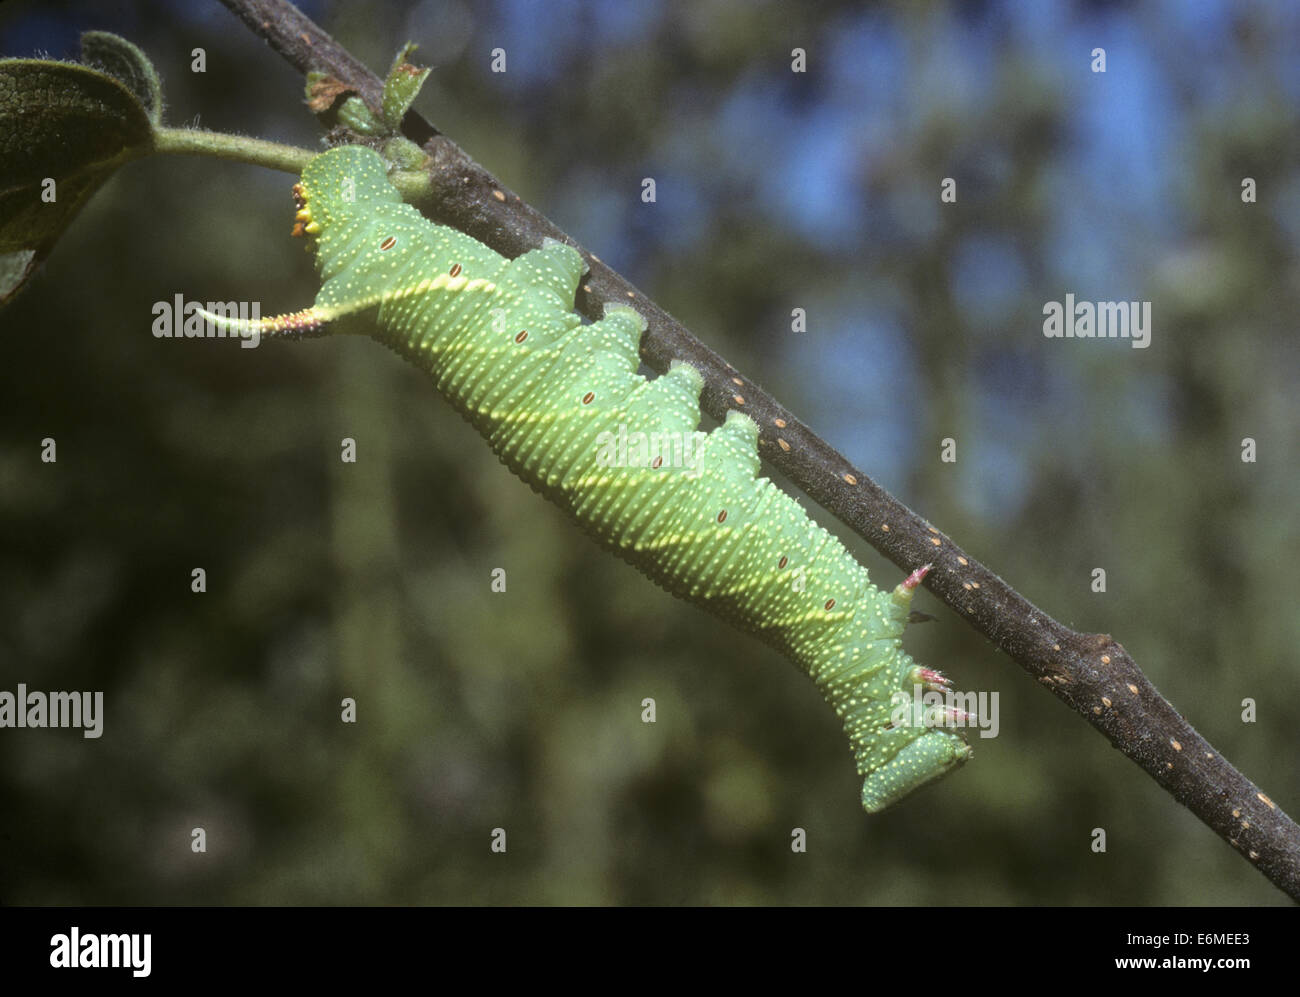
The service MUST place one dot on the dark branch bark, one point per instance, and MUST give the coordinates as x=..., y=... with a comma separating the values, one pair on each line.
x=1091, y=673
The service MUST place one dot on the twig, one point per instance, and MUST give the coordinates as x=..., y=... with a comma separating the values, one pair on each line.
x=196, y=142
x=1091, y=673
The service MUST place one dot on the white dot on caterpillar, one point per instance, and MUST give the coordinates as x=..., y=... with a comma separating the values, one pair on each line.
x=389, y=243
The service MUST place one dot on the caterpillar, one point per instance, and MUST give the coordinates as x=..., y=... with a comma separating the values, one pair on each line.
x=503, y=344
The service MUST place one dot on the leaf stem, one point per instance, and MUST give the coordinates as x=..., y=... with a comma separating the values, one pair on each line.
x=255, y=151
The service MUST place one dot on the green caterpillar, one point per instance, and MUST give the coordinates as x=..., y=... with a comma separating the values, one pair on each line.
x=503, y=344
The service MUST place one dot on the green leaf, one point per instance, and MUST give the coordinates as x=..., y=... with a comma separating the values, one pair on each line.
x=356, y=115
x=64, y=129
x=405, y=154
x=339, y=104
x=125, y=62
x=401, y=88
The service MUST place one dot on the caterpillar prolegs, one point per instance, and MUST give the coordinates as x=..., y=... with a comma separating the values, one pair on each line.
x=503, y=344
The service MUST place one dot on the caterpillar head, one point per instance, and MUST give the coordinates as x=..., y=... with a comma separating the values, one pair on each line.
x=302, y=217
x=340, y=186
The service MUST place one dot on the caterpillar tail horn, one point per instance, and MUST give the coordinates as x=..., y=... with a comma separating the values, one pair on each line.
x=293, y=325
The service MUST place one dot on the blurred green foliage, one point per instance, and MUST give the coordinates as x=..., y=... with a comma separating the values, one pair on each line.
x=522, y=710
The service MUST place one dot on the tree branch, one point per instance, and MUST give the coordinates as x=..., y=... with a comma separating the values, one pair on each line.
x=1090, y=673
